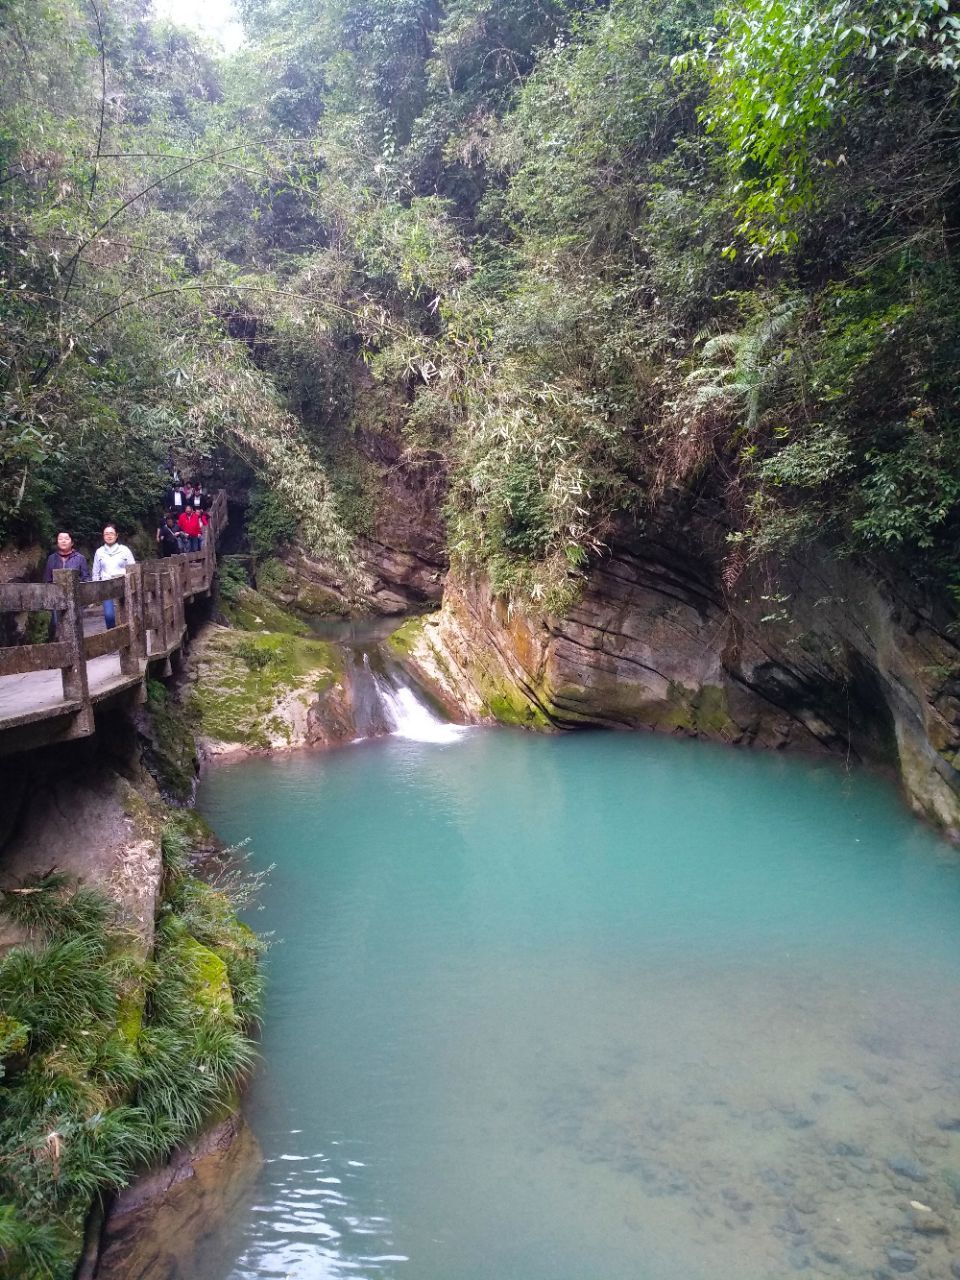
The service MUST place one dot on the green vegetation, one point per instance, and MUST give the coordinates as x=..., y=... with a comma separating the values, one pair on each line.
x=577, y=260
x=121, y=320
x=270, y=525
x=407, y=636
x=252, y=610
x=282, y=589
x=108, y=1061
x=170, y=752
x=243, y=676
x=509, y=705
x=232, y=577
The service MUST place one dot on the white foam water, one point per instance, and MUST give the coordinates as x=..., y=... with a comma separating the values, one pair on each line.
x=408, y=717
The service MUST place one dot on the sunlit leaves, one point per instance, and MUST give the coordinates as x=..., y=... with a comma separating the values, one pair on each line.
x=785, y=74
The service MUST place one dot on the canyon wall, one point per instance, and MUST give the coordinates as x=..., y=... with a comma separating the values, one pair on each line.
x=813, y=653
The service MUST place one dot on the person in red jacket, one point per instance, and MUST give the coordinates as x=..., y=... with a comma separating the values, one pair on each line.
x=189, y=524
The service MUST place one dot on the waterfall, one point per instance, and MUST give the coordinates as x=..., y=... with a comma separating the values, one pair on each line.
x=411, y=718
x=385, y=702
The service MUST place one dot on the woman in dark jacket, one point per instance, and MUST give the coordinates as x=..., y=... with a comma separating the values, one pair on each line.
x=168, y=538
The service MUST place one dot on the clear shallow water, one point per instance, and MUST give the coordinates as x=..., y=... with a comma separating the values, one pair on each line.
x=595, y=1008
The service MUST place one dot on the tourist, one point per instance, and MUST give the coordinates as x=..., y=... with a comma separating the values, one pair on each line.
x=111, y=561
x=188, y=494
x=66, y=556
x=197, y=500
x=189, y=525
x=168, y=537
x=175, y=501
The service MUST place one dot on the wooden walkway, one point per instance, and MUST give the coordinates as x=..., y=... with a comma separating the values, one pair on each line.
x=49, y=692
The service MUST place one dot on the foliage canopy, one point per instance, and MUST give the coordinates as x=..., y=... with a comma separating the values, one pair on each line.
x=587, y=258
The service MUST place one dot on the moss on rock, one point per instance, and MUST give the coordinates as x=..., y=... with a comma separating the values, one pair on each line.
x=170, y=751
x=243, y=677
x=252, y=610
x=407, y=638
x=130, y=1016
x=317, y=602
x=295, y=596
x=106, y=1070
x=209, y=979
x=508, y=704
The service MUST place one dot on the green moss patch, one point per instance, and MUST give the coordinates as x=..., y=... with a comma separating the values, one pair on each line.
x=510, y=705
x=243, y=676
x=408, y=637
x=170, y=752
x=252, y=610
x=208, y=977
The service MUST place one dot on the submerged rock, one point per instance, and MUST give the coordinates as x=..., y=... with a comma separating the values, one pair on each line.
x=928, y=1223
x=790, y=1222
x=906, y=1167
x=900, y=1260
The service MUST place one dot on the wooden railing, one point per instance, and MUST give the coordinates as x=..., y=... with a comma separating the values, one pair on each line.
x=151, y=625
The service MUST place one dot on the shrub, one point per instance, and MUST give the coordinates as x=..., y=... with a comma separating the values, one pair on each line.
x=270, y=523
x=92, y=1101
x=255, y=656
x=232, y=575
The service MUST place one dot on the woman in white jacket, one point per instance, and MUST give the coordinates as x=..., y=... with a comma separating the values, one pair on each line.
x=111, y=561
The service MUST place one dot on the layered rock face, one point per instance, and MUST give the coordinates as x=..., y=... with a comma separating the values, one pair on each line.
x=91, y=813
x=388, y=579
x=816, y=655
x=400, y=562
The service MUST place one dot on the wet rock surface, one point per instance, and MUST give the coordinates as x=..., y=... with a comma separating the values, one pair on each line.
x=158, y=1227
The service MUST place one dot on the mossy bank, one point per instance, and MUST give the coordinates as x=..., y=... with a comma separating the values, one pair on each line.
x=117, y=1044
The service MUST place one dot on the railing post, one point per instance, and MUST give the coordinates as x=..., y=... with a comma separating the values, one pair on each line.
x=70, y=632
x=150, y=584
x=171, y=587
x=133, y=616
x=183, y=582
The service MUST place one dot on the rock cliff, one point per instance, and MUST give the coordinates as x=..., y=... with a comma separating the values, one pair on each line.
x=92, y=812
x=399, y=557
x=814, y=653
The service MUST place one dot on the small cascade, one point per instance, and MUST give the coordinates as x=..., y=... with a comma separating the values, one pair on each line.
x=369, y=713
x=386, y=702
x=410, y=717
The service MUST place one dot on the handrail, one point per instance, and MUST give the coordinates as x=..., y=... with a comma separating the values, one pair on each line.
x=151, y=622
